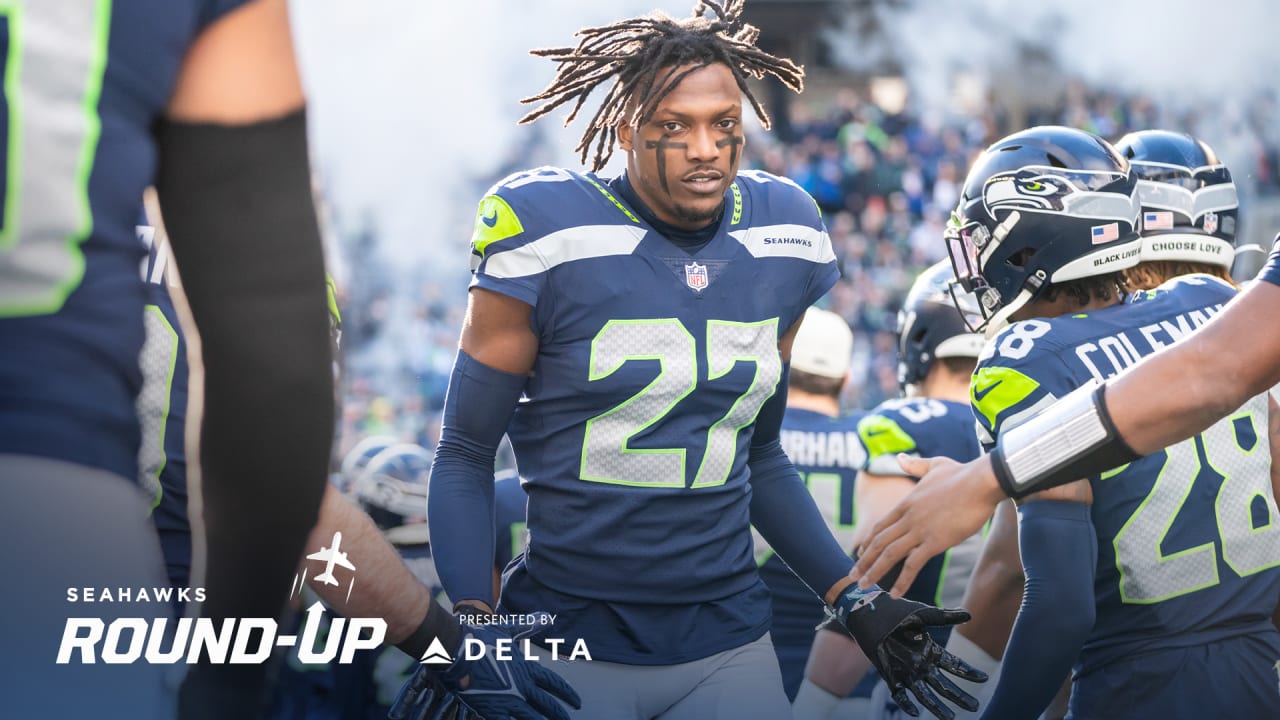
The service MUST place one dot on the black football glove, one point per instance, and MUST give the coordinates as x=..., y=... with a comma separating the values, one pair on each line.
x=892, y=632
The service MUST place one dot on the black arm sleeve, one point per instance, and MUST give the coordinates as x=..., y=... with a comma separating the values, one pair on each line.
x=237, y=205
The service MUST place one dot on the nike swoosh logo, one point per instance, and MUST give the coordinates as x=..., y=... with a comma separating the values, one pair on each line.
x=980, y=393
x=491, y=219
x=873, y=433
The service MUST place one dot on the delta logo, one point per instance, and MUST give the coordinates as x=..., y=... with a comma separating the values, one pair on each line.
x=161, y=640
x=506, y=649
x=520, y=645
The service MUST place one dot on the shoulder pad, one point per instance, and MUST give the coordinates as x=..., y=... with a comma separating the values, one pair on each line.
x=779, y=193
x=1019, y=379
x=884, y=437
x=539, y=202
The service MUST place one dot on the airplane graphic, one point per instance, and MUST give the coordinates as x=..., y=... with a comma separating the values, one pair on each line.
x=331, y=556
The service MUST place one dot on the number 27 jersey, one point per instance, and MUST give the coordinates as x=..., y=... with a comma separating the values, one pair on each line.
x=652, y=366
x=1188, y=537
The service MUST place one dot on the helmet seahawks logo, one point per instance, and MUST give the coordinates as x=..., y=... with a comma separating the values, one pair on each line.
x=1025, y=189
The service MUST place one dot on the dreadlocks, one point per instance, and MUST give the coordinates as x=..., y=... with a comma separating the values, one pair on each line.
x=637, y=51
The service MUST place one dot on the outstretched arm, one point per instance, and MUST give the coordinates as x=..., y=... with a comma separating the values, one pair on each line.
x=497, y=353
x=234, y=183
x=782, y=508
x=889, y=631
x=388, y=589
x=1215, y=370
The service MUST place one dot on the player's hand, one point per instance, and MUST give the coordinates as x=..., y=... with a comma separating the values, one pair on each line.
x=492, y=689
x=892, y=632
x=949, y=504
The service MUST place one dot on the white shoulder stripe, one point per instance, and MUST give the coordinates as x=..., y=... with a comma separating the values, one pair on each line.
x=795, y=241
x=564, y=246
x=1026, y=414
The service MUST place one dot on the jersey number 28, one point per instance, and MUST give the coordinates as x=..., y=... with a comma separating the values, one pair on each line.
x=1147, y=574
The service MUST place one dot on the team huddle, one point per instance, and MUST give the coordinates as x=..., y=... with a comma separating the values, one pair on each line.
x=693, y=513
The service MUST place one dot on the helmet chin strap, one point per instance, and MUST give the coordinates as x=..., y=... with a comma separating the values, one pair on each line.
x=1000, y=320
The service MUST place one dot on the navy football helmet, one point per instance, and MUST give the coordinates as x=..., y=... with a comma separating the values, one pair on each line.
x=392, y=489
x=1189, y=203
x=1045, y=205
x=358, y=457
x=929, y=326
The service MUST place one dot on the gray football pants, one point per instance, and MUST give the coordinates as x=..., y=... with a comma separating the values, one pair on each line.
x=743, y=683
x=66, y=531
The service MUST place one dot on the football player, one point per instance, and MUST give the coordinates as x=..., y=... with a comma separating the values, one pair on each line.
x=1215, y=371
x=631, y=335
x=1189, y=208
x=202, y=98
x=1156, y=578
x=823, y=444
x=936, y=356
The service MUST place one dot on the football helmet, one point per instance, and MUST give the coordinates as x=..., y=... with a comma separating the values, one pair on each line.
x=1189, y=202
x=929, y=326
x=358, y=457
x=392, y=490
x=1042, y=206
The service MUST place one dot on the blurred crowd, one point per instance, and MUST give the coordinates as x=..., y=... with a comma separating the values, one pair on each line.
x=885, y=182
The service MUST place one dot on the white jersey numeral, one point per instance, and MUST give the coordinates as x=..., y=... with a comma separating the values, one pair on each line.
x=607, y=455
x=1147, y=573
x=53, y=71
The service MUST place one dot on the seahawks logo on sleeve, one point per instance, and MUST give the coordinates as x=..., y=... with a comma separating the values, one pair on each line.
x=495, y=222
x=884, y=437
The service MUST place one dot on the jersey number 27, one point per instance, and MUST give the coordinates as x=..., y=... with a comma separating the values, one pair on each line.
x=606, y=454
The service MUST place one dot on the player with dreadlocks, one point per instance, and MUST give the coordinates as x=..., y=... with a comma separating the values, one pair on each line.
x=631, y=335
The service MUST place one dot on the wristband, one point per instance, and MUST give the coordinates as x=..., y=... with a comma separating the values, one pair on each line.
x=850, y=601
x=438, y=624
x=1073, y=439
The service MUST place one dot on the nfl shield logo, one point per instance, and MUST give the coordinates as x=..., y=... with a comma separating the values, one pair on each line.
x=695, y=276
x=1211, y=222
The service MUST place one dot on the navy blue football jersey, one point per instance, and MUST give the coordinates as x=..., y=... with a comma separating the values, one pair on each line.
x=87, y=81
x=1188, y=537
x=827, y=454
x=633, y=432
x=926, y=427
x=1271, y=271
x=162, y=412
